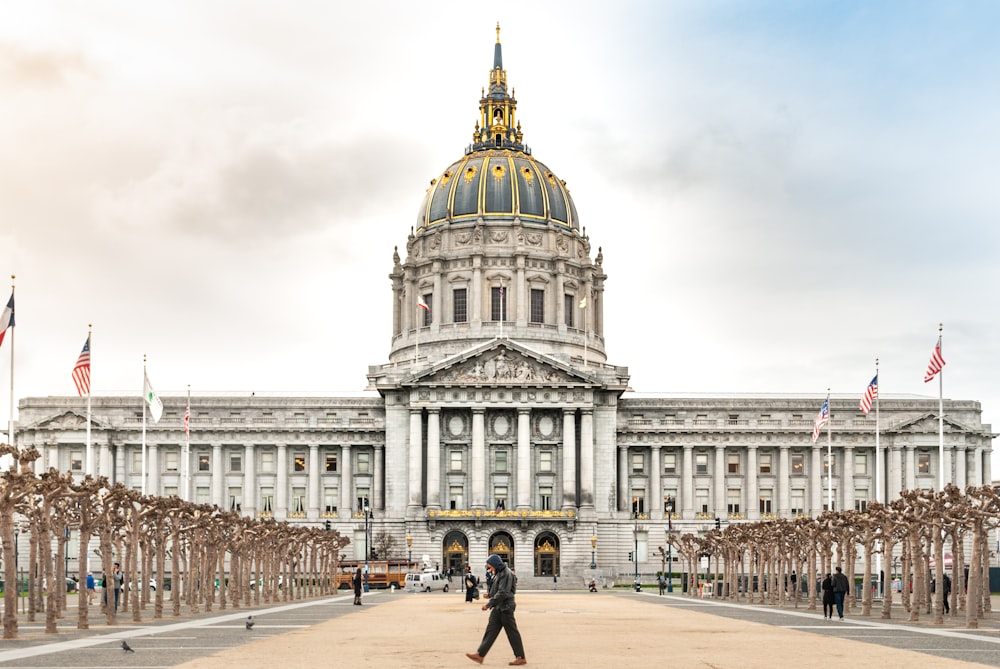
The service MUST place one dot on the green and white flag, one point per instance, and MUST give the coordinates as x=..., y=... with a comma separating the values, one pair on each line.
x=152, y=399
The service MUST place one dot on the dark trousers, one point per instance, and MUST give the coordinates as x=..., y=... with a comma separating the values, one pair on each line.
x=501, y=619
x=827, y=609
x=838, y=597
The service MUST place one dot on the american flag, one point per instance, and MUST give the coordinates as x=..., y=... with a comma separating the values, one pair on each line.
x=7, y=317
x=821, y=419
x=871, y=392
x=187, y=421
x=81, y=371
x=422, y=303
x=936, y=363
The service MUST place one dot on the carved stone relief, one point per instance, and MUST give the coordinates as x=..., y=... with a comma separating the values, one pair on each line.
x=502, y=366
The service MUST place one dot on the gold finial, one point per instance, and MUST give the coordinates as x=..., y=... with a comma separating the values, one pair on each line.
x=498, y=32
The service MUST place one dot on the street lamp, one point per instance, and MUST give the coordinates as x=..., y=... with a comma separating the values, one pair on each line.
x=670, y=545
x=593, y=550
x=409, y=548
x=635, y=555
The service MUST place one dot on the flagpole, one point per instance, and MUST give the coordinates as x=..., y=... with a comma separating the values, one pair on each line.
x=940, y=408
x=90, y=448
x=144, y=424
x=829, y=453
x=878, y=483
x=187, y=450
x=10, y=420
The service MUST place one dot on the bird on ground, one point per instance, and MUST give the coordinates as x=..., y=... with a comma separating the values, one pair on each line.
x=250, y=622
x=127, y=648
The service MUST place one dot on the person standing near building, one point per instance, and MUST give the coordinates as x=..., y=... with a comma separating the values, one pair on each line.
x=828, y=600
x=946, y=582
x=91, y=589
x=358, y=582
x=471, y=584
x=501, y=605
x=840, y=588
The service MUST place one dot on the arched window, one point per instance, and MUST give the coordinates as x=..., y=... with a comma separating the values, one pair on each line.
x=455, y=552
x=502, y=544
x=547, y=554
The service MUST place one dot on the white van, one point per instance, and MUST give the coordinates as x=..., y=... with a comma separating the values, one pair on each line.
x=426, y=582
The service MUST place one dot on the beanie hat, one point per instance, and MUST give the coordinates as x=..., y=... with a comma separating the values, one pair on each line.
x=495, y=561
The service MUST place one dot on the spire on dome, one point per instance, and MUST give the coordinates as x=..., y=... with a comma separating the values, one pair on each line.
x=497, y=128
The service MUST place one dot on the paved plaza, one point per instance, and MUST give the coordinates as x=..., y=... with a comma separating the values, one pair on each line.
x=560, y=629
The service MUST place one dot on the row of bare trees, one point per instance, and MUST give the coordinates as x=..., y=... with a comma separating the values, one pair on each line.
x=781, y=562
x=215, y=557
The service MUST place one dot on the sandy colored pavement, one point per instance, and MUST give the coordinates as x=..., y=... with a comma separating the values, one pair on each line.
x=568, y=630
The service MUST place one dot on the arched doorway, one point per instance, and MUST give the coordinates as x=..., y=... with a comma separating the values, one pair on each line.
x=455, y=552
x=502, y=544
x=546, y=554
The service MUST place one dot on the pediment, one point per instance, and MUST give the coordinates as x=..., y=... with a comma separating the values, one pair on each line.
x=927, y=423
x=67, y=420
x=501, y=363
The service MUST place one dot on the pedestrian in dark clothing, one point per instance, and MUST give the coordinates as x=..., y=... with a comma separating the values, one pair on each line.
x=840, y=588
x=357, y=582
x=501, y=605
x=471, y=584
x=947, y=593
x=828, y=599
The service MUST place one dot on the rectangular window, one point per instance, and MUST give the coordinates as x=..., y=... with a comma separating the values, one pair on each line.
x=330, y=499
x=638, y=501
x=364, y=500
x=76, y=461
x=500, y=462
x=171, y=460
x=545, y=461
x=569, y=304
x=669, y=463
x=670, y=500
x=733, y=463
x=765, y=501
x=638, y=463
x=798, y=499
x=701, y=463
x=455, y=497
x=364, y=462
x=169, y=491
x=235, y=499
x=701, y=500
x=331, y=463
x=455, y=460
x=267, y=500
x=266, y=462
x=498, y=304
x=235, y=462
x=500, y=495
x=137, y=461
x=545, y=498
x=298, y=499
x=204, y=462
x=828, y=462
x=537, y=306
x=923, y=463
x=427, y=315
x=202, y=495
x=798, y=464
x=861, y=500
x=764, y=460
x=861, y=464
x=460, y=309
x=733, y=500
x=300, y=462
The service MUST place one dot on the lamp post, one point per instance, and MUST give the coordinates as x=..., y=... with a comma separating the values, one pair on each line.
x=670, y=544
x=593, y=550
x=366, y=509
x=409, y=548
x=66, y=554
x=635, y=555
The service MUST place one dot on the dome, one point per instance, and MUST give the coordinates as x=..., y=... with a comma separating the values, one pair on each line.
x=497, y=184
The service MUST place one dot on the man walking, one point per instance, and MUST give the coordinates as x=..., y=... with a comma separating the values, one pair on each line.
x=840, y=588
x=500, y=603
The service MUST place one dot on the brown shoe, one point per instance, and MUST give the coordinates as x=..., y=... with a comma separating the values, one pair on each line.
x=518, y=661
x=475, y=657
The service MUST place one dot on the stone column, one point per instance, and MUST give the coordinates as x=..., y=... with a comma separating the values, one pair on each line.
x=378, y=480
x=152, y=473
x=346, y=508
x=312, y=494
x=847, y=483
x=753, y=511
x=281, y=484
x=523, y=458
x=911, y=468
x=719, y=480
x=478, y=465
x=476, y=293
x=569, y=459
x=587, y=483
x=624, y=494
x=895, y=473
x=415, y=447
x=655, y=486
x=249, y=482
x=783, y=480
x=687, y=484
x=105, y=461
x=434, y=458
x=816, y=478
x=218, y=489
x=946, y=465
x=961, y=460
x=977, y=473
x=987, y=466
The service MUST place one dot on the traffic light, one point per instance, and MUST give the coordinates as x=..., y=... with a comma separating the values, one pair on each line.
x=630, y=556
x=718, y=524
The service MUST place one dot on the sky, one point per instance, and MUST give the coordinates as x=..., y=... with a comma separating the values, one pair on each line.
x=783, y=191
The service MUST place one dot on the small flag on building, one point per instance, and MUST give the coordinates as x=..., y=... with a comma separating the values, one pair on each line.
x=152, y=399
x=871, y=392
x=936, y=363
x=7, y=317
x=81, y=371
x=422, y=304
x=821, y=419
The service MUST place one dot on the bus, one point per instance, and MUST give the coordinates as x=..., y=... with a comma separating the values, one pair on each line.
x=381, y=573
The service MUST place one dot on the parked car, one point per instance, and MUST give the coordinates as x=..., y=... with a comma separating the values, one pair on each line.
x=426, y=582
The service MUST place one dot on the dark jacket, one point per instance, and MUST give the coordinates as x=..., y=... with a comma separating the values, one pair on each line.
x=827, y=590
x=840, y=583
x=502, y=588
